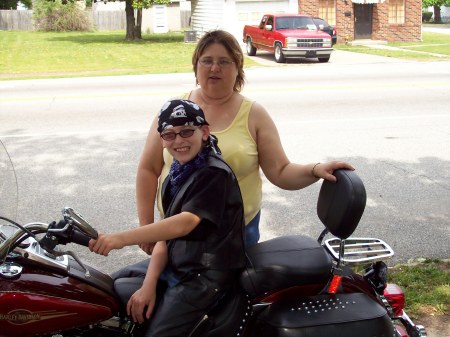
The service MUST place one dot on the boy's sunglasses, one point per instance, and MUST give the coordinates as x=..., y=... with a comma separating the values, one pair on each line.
x=185, y=133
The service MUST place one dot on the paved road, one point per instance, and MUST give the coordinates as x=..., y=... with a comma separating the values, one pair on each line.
x=77, y=142
x=440, y=29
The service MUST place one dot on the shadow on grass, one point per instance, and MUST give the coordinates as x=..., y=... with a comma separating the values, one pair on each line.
x=115, y=38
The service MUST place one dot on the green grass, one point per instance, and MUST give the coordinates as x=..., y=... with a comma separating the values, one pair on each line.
x=437, y=25
x=426, y=286
x=432, y=43
x=41, y=54
x=27, y=54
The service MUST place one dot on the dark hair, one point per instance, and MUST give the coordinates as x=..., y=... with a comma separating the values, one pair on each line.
x=231, y=45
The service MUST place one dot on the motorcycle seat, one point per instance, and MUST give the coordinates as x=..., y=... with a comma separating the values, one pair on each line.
x=285, y=262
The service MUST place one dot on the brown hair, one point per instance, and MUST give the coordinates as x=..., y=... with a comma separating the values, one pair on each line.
x=231, y=45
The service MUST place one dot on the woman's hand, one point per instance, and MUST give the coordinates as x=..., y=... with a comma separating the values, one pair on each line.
x=139, y=300
x=325, y=170
x=147, y=247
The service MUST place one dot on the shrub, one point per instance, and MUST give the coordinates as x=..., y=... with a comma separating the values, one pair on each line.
x=426, y=16
x=58, y=17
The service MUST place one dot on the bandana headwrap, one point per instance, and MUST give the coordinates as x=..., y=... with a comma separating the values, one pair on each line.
x=180, y=112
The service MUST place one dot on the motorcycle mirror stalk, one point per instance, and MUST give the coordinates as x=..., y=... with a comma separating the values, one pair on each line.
x=74, y=228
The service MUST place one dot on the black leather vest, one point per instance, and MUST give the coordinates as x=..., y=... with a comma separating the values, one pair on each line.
x=208, y=246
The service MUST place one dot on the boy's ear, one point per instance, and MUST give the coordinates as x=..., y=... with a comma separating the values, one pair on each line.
x=205, y=132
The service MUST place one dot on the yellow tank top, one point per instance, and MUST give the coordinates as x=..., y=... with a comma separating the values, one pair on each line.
x=240, y=152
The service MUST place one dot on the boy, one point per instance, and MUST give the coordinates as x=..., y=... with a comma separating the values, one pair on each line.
x=200, y=244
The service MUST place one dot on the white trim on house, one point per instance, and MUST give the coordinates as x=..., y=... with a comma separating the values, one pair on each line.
x=233, y=15
x=207, y=15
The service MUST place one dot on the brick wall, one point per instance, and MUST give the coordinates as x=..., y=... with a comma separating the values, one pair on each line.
x=345, y=25
x=381, y=29
x=310, y=7
x=410, y=30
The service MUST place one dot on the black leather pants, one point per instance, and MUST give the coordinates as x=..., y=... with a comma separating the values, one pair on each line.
x=180, y=308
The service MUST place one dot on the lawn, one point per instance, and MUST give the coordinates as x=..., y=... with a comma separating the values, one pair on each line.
x=26, y=54
x=426, y=285
x=432, y=43
x=40, y=54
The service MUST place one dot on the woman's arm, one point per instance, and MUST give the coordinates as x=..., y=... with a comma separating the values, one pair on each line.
x=169, y=228
x=148, y=172
x=274, y=162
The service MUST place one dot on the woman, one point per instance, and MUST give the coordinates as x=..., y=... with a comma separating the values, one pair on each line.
x=247, y=135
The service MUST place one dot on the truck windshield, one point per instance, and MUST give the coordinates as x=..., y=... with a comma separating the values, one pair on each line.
x=295, y=23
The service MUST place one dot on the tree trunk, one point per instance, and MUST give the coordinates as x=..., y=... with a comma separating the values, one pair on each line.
x=138, y=28
x=131, y=25
x=437, y=14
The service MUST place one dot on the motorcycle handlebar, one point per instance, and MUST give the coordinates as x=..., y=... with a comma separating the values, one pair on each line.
x=80, y=238
x=67, y=231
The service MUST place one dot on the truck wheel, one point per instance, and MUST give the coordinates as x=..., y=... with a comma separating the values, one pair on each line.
x=251, y=50
x=324, y=59
x=279, y=57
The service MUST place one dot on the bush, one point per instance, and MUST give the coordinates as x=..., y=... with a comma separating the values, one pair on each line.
x=55, y=16
x=426, y=16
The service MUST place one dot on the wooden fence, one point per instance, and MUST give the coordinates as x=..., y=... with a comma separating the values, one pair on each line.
x=109, y=20
x=16, y=20
x=102, y=20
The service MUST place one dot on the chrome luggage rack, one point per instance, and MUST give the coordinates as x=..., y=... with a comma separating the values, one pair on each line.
x=359, y=250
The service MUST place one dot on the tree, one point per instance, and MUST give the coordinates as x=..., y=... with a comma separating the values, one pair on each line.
x=12, y=4
x=134, y=25
x=436, y=4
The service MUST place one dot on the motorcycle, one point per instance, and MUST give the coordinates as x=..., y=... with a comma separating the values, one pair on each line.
x=292, y=285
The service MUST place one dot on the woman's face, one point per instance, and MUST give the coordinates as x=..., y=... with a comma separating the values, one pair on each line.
x=216, y=70
x=186, y=145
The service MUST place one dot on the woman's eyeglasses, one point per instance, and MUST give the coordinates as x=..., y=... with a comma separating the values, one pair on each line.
x=170, y=135
x=208, y=63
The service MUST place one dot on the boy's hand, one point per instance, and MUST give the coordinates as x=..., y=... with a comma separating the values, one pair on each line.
x=139, y=300
x=105, y=243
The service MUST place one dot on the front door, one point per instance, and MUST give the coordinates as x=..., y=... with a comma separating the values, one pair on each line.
x=363, y=21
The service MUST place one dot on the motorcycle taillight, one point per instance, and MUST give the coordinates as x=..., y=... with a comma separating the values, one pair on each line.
x=396, y=298
x=401, y=332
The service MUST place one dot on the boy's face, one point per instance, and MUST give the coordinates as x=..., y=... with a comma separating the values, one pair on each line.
x=186, y=145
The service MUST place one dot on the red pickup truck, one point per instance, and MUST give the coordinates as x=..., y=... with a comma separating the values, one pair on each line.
x=288, y=35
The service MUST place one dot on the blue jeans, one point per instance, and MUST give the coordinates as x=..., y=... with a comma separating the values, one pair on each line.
x=252, y=231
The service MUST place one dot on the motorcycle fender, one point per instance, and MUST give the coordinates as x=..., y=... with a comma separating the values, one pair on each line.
x=350, y=315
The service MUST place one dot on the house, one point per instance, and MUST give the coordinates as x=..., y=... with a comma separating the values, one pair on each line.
x=388, y=20
x=385, y=20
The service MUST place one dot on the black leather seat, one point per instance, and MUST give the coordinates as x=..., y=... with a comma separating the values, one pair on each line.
x=284, y=262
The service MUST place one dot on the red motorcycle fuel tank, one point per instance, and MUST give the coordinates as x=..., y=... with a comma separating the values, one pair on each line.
x=43, y=301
